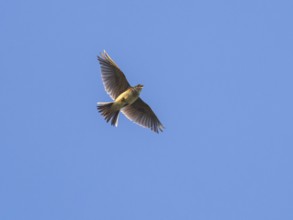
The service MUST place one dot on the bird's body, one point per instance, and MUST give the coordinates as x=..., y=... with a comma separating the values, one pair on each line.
x=126, y=98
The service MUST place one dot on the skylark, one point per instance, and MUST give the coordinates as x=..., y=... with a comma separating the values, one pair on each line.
x=126, y=98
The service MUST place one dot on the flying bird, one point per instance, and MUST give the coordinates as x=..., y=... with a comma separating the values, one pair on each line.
x=126, y=98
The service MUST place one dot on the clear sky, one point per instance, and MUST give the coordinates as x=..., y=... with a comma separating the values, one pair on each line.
x=218, y=74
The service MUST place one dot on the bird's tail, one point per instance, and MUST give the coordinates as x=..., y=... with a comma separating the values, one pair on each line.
x=109, y=113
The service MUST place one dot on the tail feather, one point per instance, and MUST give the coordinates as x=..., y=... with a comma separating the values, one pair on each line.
x=105, y=108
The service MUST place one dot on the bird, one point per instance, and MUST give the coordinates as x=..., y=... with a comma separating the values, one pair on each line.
x=126, y=98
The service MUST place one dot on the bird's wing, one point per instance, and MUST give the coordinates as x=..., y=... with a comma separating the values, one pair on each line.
x=113, y=78
x=140, y=113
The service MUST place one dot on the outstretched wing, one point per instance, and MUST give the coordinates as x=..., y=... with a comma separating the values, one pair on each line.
x=113, y=78
x=141, y=113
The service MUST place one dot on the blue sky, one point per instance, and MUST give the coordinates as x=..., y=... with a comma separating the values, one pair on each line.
x=217, y=73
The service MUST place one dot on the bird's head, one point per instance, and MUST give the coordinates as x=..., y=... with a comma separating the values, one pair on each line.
x=139, y=87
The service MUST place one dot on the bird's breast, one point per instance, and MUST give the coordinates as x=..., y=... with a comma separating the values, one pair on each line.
x=127, y=98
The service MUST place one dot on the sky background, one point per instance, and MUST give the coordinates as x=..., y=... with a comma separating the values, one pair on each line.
x=218, y=74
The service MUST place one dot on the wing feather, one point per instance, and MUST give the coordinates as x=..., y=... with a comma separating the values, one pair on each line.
x=140, y=113
x=113, y=78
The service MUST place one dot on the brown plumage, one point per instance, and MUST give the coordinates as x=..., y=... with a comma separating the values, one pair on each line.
x=126, y=98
